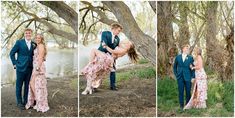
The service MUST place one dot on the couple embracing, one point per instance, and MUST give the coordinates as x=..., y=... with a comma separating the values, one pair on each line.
x=30, y=72
x=188, y=71
x=102, y=60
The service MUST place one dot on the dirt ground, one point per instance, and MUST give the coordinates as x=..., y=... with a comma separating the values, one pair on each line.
x=134, y=98
x=62, y=99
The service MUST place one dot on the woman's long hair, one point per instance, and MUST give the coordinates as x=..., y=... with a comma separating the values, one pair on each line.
x=43, y=42
x=133, y=54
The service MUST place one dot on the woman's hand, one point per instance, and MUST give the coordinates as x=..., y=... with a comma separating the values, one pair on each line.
x=104, y=45
x=193, y=80
x=191, y=66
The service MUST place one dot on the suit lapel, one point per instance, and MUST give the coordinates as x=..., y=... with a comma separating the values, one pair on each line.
x=186, y=58
x=181, y=58
x=110, y=38
x=25, y=45
x=31, y=47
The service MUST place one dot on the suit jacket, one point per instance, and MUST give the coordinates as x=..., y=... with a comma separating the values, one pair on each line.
x=24, y=58
x=182, y=69
x=106, y=37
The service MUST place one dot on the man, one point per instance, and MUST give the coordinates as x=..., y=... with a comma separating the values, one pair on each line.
x=111, y=39
x=184, y=74
x=23, y=65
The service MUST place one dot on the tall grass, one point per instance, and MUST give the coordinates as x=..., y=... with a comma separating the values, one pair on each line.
x=219, y=102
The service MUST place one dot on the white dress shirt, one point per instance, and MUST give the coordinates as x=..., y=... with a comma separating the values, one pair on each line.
x=184, y=56
x=28, y=43
x=112, y=37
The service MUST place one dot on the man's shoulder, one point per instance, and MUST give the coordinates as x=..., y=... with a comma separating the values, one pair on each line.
x=178, y=55
x=19, y=40
x=105, y=32
x=190, y=56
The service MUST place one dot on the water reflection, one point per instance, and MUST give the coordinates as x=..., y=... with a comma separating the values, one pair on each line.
x=59, y=63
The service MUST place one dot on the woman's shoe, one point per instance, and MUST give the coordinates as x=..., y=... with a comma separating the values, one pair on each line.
x=87, y=91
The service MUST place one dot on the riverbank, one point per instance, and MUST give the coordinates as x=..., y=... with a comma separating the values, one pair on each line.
x=62, y=99
x=136, y=95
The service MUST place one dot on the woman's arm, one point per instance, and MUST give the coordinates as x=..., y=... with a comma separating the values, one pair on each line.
x=116, y=52
x=41, y=55
x=198, y=64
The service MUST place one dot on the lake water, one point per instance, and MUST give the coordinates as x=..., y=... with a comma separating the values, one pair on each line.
x=59, y=63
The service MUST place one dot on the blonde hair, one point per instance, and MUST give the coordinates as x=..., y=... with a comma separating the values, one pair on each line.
x=28, y=29
x=116, y=25
x=43, y=42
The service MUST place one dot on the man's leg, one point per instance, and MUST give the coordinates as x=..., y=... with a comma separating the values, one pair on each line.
x=188, y=89
x=26, y=85
x=112, y=80
x=19, y=84
x=181, y=91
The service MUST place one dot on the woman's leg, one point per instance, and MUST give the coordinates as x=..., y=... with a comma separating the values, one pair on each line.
x=32, y=86
x=88, y=86
x=95, y=53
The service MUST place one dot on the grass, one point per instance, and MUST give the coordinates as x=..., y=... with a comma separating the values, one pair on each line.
x=219, y=103
x=74, y=84
x=141, y=73
x=143, y=61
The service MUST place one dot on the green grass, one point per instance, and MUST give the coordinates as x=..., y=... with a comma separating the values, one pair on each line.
x=143, y=61
x=141, y=73
x=74, y=84
x=219, y=102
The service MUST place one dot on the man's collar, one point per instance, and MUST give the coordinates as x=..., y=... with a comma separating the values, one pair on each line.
x=27, y=40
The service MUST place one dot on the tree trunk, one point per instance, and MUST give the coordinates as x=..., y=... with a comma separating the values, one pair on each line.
x=64, y=11
x=145, y=44
x=228, y=74
x=183, y=25
x=165, y=38
x=211, y=12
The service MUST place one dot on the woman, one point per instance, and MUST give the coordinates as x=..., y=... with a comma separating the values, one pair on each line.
x=102, y=63
x=199, y=96
x=38, y=82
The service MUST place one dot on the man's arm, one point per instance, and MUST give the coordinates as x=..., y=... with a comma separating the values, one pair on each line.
x=175, y=66
x=193, y=70
x=104, y=40
x=14, y=50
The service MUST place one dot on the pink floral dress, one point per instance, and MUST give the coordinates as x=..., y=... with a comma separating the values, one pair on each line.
x=96, y=70
x=199, y=96
x=40, y=87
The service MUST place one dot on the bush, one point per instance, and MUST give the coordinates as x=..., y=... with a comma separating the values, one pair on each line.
x=228, y=95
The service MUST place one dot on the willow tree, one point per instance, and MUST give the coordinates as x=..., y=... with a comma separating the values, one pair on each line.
x=48, y=21
x=145, y=44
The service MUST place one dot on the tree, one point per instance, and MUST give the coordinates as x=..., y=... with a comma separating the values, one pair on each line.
x=211, y=30
x=207, y=25
x=165, y=39
x=145, y=44
x=52, y=25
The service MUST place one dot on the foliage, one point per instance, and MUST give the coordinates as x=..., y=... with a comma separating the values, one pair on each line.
x=219, y=102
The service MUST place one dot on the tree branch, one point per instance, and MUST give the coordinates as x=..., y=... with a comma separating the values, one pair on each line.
x=64, y=11
x=103, y=17
x=153, y=5
x=6, y=40
x=52, y=29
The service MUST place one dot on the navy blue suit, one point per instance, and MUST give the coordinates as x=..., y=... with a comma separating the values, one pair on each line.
x=183, y=74
x=24, y=66
x=106, y=38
